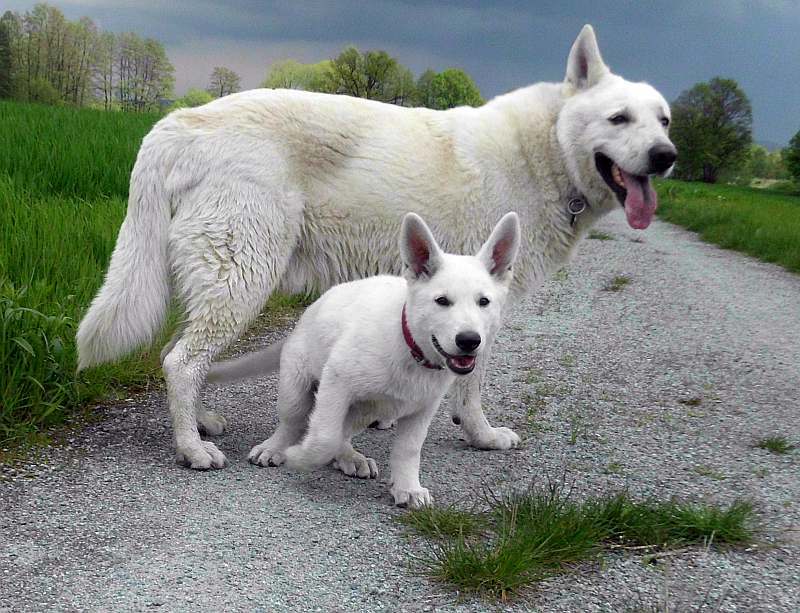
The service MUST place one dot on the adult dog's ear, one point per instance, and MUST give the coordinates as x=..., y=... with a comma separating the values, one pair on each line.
x=420, y=252
x=499, y=252
x=585, y=66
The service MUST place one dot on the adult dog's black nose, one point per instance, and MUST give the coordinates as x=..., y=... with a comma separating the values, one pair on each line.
x=662, y=157
x=468, y=341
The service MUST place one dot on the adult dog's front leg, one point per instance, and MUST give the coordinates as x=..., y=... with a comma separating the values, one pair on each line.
x=466, y=410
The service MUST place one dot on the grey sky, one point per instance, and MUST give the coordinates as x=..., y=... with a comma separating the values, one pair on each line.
x=503, y=44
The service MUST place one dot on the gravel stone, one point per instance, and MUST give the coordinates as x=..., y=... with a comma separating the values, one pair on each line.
x=661, y=387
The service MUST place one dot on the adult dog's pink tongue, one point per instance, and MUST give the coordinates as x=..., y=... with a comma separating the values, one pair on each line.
x=641, y=201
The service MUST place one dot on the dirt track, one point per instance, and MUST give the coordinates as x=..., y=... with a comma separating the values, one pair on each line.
x=661, y=387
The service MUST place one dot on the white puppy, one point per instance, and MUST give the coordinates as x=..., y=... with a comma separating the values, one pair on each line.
x=384, y=348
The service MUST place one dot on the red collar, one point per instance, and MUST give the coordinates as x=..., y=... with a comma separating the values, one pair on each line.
x=416, y=352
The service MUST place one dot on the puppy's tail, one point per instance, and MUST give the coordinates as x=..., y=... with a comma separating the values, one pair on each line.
x=131, y=305
x=256, y=364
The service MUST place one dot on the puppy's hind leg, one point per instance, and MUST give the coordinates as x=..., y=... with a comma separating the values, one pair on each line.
x=325, y=437
x=295, y=400
x=355, y=464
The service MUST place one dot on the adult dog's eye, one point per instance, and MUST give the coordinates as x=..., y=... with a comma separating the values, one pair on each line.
x=443, y=301
x=484, y=301
x=619, y=119
x=665, y=121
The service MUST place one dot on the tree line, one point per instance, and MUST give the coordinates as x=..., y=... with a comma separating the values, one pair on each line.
x=47, y=58
x=374, y=75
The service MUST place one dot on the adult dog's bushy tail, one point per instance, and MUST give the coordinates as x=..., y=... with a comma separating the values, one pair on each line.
x=131, y=305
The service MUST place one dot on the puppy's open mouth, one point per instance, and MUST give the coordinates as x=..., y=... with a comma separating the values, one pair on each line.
x=459, y=364
x=634, y=192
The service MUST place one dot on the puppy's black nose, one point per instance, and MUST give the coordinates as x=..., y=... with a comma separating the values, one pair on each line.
x=468, y=341
x=662, y=157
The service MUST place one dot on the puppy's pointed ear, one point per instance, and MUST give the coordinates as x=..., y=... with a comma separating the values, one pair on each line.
x=585, y=66
x=500, y=251
x=420, y=252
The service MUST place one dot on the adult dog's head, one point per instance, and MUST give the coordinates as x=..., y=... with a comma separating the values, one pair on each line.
x=614, y=134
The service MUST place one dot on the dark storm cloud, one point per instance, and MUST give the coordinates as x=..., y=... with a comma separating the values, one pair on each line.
x=504, y=44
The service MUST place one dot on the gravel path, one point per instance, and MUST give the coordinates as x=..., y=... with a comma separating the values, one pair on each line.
x=661, y=387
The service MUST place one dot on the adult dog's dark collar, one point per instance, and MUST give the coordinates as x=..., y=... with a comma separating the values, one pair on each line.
x=576, y=204
x=416, y=352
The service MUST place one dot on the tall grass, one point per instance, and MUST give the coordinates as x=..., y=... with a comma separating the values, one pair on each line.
x=63, y=182
x=53, y=252
x=82, y=153
x=762, y=223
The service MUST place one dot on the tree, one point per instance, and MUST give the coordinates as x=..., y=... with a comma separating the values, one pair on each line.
x=453, y=87
x=712, y=129
x=6, y=67
x=791, y=157
x=193, y=97
x=290, y=74
x=373, y=74
x=223, y=81
x=424, y=94
x=144, y=74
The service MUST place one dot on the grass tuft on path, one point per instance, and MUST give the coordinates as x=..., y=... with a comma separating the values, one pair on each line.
x=524, y=538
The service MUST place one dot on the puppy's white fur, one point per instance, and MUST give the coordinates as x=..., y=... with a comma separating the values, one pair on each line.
x=300, y=191
x=349, y=346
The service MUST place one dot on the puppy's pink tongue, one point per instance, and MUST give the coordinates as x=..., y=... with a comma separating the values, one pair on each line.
x=641, y=201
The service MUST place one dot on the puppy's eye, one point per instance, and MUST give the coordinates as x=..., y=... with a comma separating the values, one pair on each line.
x=665, y=121
x=484, y=301
x=619, y=119
x=443, y=301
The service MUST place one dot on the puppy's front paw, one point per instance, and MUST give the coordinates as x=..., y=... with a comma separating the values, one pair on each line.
x=413, y=498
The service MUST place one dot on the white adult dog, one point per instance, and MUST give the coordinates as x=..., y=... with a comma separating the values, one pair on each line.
x=300, y=191
x=383, y=348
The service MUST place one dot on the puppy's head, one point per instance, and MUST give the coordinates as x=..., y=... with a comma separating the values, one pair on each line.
x=455, y=302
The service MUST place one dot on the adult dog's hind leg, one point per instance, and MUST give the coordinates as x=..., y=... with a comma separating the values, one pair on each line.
x=227, y=255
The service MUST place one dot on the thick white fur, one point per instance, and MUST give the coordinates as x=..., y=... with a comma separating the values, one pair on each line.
x=300, y=191
x=349, y=347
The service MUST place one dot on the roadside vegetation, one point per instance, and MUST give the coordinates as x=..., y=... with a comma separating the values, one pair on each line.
x=521, y=539
x=64, y=176
x=763, y=223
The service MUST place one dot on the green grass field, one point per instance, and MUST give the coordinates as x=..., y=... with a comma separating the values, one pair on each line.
x=63, y=184
x=762, y=223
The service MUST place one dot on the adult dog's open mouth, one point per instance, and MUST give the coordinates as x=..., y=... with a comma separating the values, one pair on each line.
x=459, y=364
x=634, y=192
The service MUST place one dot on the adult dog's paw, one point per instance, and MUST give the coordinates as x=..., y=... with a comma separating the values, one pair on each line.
x=383, y=424
x=412, y=498
x=354, y=464
x=210, y=423
x=264, y=455
x=204, y=456
x=495, y=438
